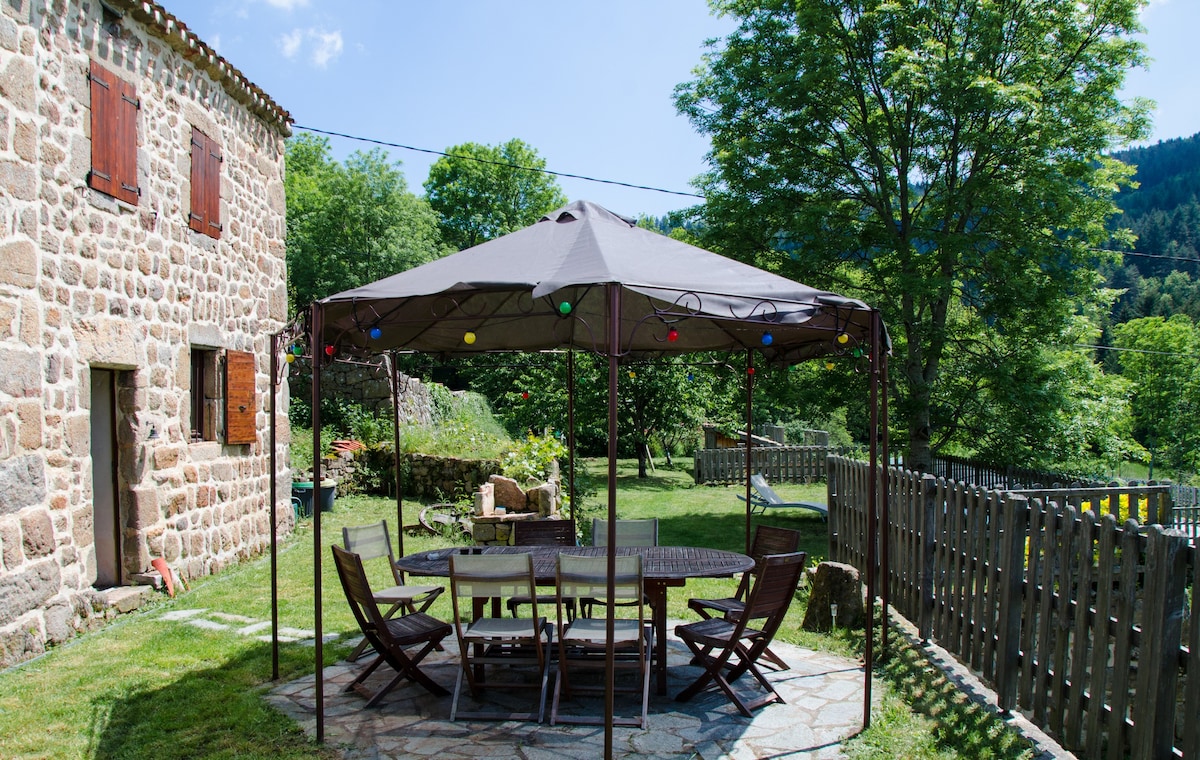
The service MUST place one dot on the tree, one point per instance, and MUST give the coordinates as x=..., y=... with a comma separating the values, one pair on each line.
x=1159, y=357
x=481, y=192
x=941, y=159
x=350, y=224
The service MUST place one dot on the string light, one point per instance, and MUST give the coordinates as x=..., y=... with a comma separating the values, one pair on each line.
x=767, y=339
x=564, y=308
x=469, y=338
x=843, y=338
x=298, y=350
x=376, y=333
x=329, y=350
x=829, y=364
x=672, y=335
x=289, y=358
x=632, y=374
x=524, y=394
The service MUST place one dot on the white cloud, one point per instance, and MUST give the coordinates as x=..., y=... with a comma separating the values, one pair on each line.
x=329, y=46
x=321, y=47
x=289, y=44
x=287, y=5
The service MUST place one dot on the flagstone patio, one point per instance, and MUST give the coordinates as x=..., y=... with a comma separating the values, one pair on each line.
x=824, y=696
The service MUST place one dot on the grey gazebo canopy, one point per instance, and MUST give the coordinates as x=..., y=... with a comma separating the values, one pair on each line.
x=543, y=287
x=583, y=278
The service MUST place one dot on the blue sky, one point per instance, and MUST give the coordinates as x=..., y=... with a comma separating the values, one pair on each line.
x=588, y=85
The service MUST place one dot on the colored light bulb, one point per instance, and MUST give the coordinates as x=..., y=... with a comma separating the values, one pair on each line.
x=329, y=350
x=524, y=394
x=376, y=333
x=289, y=358
x=564, y=307
x=632, y=374
x=691, y=377
x=829, y=365
x=843, y=338
x=768, y=339
x=298, y=350
x=750, y=370
x=672, y=335
x=469, y=338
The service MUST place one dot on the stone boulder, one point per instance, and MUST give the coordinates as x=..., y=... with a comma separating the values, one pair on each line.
x=543, y=499
x=508, y=494
x=835, y=583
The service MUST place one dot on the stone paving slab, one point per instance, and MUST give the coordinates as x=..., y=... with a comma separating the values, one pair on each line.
x=824, y=707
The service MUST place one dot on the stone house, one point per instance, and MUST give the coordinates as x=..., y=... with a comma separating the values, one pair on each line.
x=142, y=273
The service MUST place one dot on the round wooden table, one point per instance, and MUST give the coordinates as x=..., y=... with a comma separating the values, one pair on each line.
x=662, y=568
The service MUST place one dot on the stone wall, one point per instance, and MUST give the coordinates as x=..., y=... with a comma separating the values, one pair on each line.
x=93, y=285
x=367, y=386
x=445, y=478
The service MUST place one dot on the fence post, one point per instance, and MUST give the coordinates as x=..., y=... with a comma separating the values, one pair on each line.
x=835, y=507
x=929, y=542
x=1012, y=578
x=1166, y=576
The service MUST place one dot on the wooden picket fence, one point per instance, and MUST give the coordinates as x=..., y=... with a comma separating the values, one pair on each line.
x=1079, y=621
x=779, y=464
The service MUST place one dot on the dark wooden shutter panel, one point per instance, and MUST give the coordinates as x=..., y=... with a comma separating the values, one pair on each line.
x=240, y=409
x=103, y=128
x=205, y=216
x=114, y=135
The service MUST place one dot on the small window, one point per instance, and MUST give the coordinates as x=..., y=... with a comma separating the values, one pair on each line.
x=205, y=216
x=114, y=135
x=205, y=395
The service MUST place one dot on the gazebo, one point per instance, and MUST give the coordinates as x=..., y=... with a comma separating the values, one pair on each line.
x=585, y=279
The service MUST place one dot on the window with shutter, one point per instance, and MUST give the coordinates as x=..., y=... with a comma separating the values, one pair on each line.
x=240, y=409
x=205, y=216
x=114, y=135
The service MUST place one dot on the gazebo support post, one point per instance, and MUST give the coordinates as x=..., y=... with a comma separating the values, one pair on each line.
x=394, y=373
x=571, y=430
x=275, y=337
x=749, y=438
x=316, y=347
x=614, y=351
x=886, y=508
x=872, y=516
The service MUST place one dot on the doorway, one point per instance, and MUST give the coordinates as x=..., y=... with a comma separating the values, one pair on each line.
x=106, y=523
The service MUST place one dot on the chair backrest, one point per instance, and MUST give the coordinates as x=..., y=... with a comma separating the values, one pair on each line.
x=372, y=542
x=481, y=576
x=544, y=533
x=772, y=592
x=587, y=578
x=764, y=489
x=771, y=540
x=629, y=532
x=358, y=593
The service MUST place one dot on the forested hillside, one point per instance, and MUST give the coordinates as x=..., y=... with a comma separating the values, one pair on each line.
x=1160, y=276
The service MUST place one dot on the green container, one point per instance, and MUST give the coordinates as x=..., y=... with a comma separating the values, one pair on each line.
x=304, y=492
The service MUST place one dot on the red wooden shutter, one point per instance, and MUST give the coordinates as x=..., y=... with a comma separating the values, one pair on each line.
x=240, y=409
x=205, y=216
x=114, y=135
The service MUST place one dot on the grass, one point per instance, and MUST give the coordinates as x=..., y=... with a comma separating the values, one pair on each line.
x=146, y=688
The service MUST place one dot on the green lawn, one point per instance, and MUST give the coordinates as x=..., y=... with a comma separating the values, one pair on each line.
x=146, y=688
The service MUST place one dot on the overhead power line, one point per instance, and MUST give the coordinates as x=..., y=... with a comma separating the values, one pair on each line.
x=460, y=156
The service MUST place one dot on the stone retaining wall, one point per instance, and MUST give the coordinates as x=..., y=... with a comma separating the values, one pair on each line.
x=445, y=478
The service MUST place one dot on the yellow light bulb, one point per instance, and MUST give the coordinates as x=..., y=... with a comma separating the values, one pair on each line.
x=469, y=338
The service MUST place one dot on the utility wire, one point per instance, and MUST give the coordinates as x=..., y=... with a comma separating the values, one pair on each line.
x=1137, y=350
x=495, y=163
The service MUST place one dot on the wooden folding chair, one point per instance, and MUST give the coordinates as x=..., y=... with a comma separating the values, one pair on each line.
x=390, y=638
x=767, y=540
x=486, y=641
x=582, y=641
x=542, y=533
x=629, y=533
x=371, y=542
x=727, y=649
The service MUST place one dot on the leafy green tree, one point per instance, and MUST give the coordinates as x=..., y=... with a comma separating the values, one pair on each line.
x=1161, y=359
x=941, y=159
x=352, y=223
x=481, y=192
